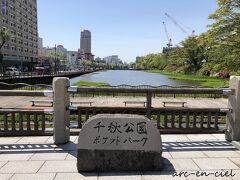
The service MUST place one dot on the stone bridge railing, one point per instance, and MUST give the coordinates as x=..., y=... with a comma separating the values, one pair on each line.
x=167, y=119
x=183, y=120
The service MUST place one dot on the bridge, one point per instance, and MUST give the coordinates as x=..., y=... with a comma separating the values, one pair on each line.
x=34, y=78
x=190, y=119
x=206, y=152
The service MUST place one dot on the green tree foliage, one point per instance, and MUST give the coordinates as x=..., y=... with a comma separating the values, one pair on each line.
x=176, y=60
x=193, y=51
x=188, y=57
x=59, y=55
x=152, y=61
x=225, y=34
x=4, y=37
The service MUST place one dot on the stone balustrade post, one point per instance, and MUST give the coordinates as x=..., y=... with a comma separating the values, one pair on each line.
x=61, y=101
x=149, y=104
x=233, y=117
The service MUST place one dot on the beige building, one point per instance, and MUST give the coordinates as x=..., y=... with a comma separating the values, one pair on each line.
x=84, y=53
x=85, y=41
x=42, y=52
x=20, y=17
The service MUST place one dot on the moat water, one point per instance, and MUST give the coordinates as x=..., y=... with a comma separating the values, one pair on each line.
x=131, y=77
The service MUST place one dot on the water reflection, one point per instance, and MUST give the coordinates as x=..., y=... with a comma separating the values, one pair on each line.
x=118, y=77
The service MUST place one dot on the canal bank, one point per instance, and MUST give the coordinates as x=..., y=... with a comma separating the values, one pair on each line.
x=43, y=79
x=124, y=77
x=205, y=81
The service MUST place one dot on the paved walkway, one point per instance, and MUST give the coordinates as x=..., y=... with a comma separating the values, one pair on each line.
x=38, y=158
x=24, y=102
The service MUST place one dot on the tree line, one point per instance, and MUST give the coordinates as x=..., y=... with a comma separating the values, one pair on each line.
x=216, y=51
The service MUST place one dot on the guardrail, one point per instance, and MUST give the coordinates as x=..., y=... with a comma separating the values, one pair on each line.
x=24, y=86
x=39, y=74
x=26, y=93
x=151, y=89
x=167, y=120
x=19, y=122
x=34, y=78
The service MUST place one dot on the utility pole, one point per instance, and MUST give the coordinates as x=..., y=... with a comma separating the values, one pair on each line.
x=55, y=63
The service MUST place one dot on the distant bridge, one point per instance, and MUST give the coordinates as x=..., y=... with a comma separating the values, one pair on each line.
x=33, y=78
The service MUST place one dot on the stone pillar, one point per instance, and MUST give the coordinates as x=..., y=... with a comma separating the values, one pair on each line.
x=233, y=117
x=149, y=104
x=61, y=101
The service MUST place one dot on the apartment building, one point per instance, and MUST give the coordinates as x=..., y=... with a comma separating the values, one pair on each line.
x=114, y=59
x=20, y=17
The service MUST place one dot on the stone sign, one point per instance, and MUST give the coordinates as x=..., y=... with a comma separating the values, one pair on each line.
x=119, y=143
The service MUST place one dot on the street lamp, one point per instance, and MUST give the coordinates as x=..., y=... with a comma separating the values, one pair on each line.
x=55, y=53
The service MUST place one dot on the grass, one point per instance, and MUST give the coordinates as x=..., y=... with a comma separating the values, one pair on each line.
x=203, y=80
x=88, y=83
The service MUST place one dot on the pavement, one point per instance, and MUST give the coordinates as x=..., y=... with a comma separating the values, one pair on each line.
x=188, y=156
x=103, y=101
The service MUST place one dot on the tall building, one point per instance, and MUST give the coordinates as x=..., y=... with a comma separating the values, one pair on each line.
x=42, y=51
x=85, y=46
x=20, y=17
x=40, y=43
x=85, y=41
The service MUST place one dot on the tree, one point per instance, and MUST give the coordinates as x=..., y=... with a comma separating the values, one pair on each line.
x=193, y=53
x=59, y=57
x=86, y=64
x=225, y=32
x=4, y=37
x=151, y=61
x=176, y=60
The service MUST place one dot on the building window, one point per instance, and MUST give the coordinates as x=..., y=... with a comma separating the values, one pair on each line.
x=19, y=27
x=4, y=20
x=4, y=8
x=12, y=24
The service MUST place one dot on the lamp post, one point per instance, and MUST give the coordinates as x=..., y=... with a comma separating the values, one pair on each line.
x=22, y=64
x=55, y=63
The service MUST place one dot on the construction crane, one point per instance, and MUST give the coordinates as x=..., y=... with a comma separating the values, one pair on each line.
x=179, y=26
x=169, y=44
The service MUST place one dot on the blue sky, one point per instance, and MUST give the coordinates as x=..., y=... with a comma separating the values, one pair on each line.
x=127, y=28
